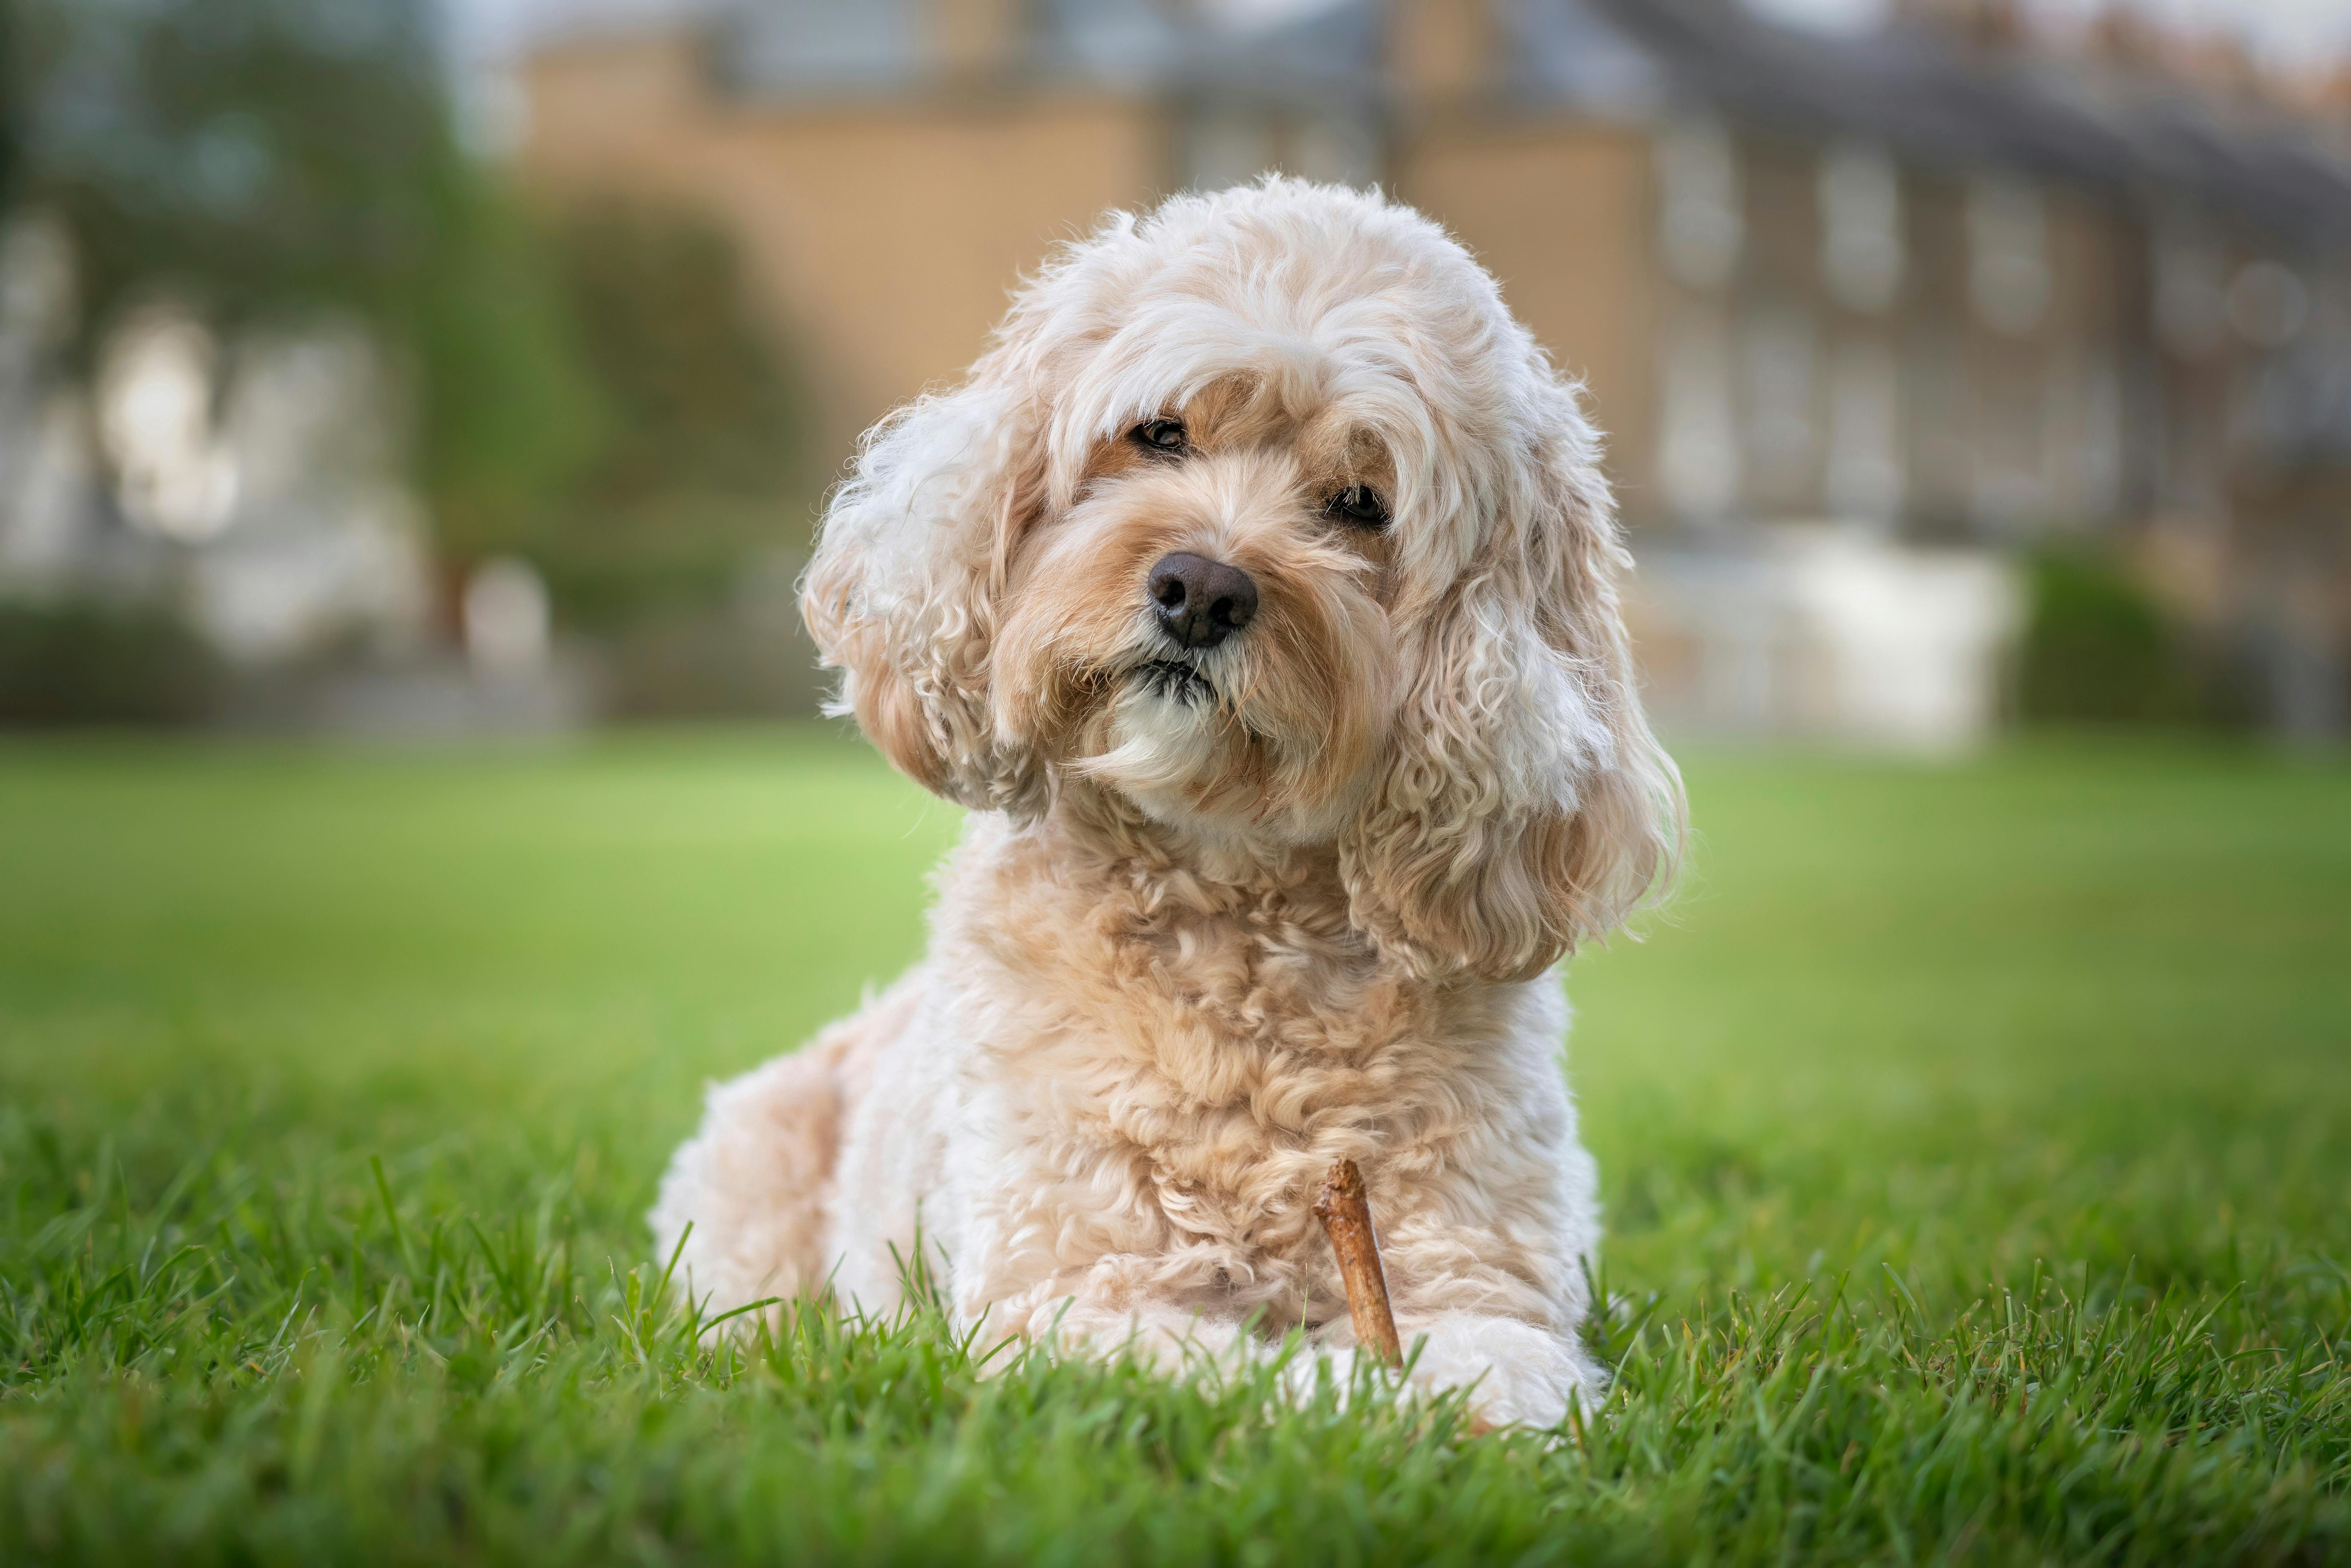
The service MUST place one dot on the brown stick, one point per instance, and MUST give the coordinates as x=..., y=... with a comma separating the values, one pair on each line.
x=1346, y=1217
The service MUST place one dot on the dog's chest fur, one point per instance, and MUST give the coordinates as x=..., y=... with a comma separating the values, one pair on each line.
x=1207, y=1049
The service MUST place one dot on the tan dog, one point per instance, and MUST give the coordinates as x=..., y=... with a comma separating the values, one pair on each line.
x=1256, y=592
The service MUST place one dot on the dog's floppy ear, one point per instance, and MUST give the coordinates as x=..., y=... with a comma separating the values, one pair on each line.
x=903, y=593
x=1525, y=806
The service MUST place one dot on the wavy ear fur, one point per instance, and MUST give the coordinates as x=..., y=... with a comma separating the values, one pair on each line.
x=902, y=596
x=1525, y=807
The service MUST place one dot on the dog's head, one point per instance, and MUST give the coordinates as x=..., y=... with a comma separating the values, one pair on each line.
x=1263, y=514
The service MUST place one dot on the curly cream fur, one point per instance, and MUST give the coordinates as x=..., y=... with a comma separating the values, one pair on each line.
x=1197, y=943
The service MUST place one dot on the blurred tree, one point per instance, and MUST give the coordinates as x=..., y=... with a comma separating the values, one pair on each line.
x=591, y=391
x=269, y=157
x=11, y=48
x=699, y=466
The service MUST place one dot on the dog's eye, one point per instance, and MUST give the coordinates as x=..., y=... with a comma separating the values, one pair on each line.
x=1158, y=436
x=1358, y=505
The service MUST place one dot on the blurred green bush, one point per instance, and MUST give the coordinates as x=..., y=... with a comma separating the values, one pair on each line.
x=82, y=663
x=2098, y=649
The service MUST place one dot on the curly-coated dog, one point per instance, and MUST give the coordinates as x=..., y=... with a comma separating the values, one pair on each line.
x=1256, y=592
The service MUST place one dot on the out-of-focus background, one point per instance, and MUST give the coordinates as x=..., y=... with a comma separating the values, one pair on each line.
x=406, y=367
x=1973, y=1132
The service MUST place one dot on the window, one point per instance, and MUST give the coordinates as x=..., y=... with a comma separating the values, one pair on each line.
x=1861, y=226
x=1699, y=226
x=2008, y=255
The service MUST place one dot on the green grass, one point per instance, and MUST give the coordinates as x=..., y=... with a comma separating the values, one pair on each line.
x=1977, y=1144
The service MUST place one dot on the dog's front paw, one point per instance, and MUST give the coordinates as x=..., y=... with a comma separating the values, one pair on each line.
x=1517, y=1373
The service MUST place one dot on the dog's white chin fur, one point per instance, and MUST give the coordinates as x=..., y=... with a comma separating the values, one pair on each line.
x=1166, y=746
x=1100, y=1104
x=1162, y=743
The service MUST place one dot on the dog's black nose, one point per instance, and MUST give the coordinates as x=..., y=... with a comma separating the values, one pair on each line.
x=1201, y=601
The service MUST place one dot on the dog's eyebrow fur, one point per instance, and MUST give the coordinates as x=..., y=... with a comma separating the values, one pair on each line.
x=1245, y=408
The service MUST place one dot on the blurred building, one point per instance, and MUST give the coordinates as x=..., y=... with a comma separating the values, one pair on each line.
x=263, y=495
x=1861, y=313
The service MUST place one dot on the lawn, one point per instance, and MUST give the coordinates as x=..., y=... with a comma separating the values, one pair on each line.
x=1976, y=1140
